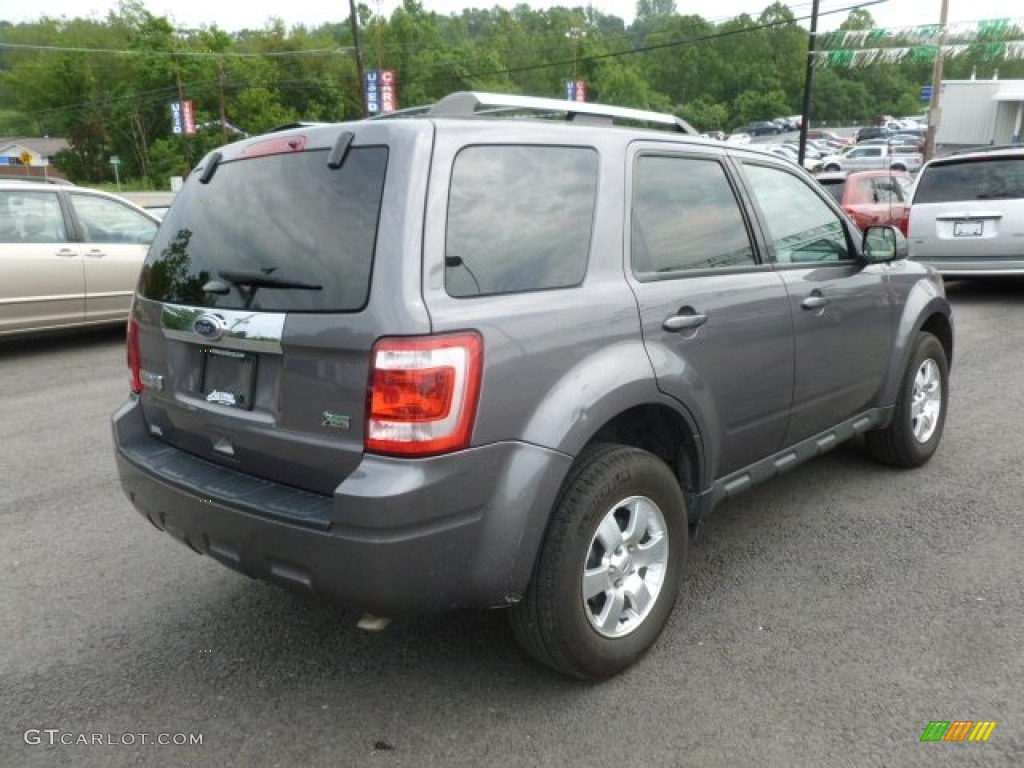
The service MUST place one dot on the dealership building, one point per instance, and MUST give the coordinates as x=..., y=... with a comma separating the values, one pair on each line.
x=981, y=112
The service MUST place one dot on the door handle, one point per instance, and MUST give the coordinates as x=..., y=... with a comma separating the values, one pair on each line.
x=95, y=254
x=67, y=253
x=815, y=302
x=682, y=322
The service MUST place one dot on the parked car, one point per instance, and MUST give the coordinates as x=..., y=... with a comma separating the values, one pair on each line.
x=789, y=152
x=738, y=138
x=763, y=128
x=69, y=256
x=873, y=132
x=455, y=359
x=829, y=136
x=156, y=202
x=871, y=156
x=34, y=179
x=967, y=214
x=872, y=197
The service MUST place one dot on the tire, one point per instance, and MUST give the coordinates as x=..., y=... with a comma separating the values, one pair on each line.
x=913, y=435
x=832, y=167
x=898, y=167
x=620, y=518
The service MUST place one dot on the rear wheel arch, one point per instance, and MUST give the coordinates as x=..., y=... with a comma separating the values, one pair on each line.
x=666, y=433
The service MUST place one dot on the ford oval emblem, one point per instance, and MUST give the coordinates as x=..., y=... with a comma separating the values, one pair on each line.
x=210, y=326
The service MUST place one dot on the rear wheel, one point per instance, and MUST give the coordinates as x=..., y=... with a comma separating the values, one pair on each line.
x=608, y=573
x=916, y=428
x=831, y=167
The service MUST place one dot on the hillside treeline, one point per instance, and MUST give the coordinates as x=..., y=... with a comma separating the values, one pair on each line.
x=107, y=85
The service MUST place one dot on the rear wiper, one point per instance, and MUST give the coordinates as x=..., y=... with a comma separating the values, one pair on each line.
x=254, y=279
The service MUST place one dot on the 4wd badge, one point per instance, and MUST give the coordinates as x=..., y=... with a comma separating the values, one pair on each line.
x=336, y=420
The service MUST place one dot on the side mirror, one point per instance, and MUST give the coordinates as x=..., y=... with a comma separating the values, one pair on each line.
x=883, y=244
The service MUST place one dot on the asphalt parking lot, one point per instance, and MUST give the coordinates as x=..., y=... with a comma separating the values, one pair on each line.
x=826, y=620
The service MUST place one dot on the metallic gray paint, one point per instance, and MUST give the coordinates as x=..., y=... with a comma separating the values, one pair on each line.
x=410, y=535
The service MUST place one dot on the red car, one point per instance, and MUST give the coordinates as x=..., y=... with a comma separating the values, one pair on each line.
x=872, y=197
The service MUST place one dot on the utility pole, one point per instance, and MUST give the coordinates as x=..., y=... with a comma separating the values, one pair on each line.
x=354, y=19
x=935, y=107
x=805, y=118
x=184, y=135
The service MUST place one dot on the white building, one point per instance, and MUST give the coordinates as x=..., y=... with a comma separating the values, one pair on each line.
x=978, y=112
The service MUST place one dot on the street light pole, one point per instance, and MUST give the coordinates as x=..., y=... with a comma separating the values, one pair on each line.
x=805, y=119
x=354, y=20
x=935, y=107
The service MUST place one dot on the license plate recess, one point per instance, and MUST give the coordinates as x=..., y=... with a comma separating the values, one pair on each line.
x=227, y=377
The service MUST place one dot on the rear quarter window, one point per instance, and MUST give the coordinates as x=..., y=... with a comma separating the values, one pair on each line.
x=519, y=219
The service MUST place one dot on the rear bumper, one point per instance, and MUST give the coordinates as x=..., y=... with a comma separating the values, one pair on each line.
x=398, y=536
x=975, y=267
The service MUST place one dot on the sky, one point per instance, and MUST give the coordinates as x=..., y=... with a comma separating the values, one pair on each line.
x=232, y=15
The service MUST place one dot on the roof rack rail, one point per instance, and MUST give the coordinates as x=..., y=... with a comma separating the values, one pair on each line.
x=475, y=103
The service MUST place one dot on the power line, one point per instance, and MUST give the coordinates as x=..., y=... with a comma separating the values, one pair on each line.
x=205, y=54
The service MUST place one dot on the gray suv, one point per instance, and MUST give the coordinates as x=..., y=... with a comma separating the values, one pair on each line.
x=508, y=352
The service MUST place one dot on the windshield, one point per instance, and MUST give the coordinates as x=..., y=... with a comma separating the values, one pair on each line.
x=284, y=222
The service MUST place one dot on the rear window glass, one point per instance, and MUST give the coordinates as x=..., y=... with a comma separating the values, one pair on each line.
x=519, y=219
x=988, y=179
x=279, y=233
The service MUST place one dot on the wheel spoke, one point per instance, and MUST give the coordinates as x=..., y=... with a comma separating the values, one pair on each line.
x=608, y=534
x=654, y=552
x=638, y=593
x=609, y=618
x=641, y=515
x=917, y=407
x=595, y=581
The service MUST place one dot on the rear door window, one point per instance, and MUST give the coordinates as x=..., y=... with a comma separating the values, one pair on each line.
x=108, y=221
x=686, y=217
x=276, y=233
x=519, y=219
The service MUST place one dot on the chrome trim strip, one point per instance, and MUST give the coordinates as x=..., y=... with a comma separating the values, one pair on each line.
x=246, y=330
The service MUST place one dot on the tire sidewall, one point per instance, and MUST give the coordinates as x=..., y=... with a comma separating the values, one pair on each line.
x=643, y=475
x=927, y=348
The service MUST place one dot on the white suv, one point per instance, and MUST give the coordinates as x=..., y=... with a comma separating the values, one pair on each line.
x=967, y=213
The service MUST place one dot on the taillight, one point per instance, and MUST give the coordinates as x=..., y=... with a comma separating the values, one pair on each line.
x=423, y=394
x=134, y=362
